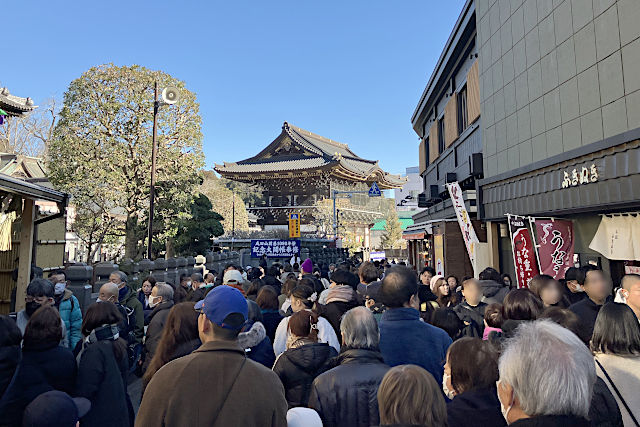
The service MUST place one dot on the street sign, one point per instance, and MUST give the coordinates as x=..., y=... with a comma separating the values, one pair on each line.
x=374, y=191
x=294, y=225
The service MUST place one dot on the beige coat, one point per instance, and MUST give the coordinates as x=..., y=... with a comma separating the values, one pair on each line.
x=199, y=390
x=625, y=374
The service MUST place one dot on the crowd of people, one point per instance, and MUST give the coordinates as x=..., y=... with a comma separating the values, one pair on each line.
x=353, y=344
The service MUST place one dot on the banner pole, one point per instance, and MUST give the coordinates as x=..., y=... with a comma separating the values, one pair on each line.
x=532, y=220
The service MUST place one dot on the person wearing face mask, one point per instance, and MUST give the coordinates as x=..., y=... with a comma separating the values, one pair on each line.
x=68, y=307
x=127, y=297
x=40, y=292
x=573, y=292
x=161, y=301
x=546, y=377
x=629, y=293
x=469, y=381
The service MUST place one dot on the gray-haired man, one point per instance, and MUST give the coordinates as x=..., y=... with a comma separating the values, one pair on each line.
x=161, y=300
x=354, y=382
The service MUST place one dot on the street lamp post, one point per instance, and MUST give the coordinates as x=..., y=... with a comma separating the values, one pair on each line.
x=154, y=151
x=170, y=96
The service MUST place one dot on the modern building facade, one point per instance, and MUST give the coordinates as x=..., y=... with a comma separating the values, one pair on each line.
x=407, y=197
x=448, y=121
x=560, y=103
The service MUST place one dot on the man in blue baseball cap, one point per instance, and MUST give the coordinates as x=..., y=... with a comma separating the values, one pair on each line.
x=213, y=385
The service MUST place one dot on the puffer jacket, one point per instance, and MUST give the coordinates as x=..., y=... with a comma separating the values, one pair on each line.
x=298, y=367
x=71, y=315
x=493, y=292
x=347, y=394
x=257, y=344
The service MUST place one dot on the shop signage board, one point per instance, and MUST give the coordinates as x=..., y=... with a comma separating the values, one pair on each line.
x=524, y=255
x=468, y=233
x=580, y=176
x=438, y=251
x=274, y=248
x=294, y=225
x=377, y=256
x=555, y=243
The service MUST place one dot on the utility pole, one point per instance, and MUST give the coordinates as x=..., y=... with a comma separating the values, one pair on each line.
x=154, y=150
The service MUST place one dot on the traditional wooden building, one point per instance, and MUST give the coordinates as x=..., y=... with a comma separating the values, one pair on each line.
x=299, y=171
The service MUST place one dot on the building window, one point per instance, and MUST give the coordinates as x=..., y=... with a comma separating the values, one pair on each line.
x=463, y=116
x=441, y=135
x=426, y=150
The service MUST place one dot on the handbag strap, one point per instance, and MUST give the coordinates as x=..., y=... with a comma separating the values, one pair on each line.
x=230, y=389
x=615, y=389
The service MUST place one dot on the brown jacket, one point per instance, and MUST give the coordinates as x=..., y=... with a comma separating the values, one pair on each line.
x=199, y=390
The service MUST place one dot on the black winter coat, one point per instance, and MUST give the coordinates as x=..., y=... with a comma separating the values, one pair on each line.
x=48, y=367
x=9, y=358
x=102, y=380
x=334, y=311
x=493, y=292
x=552, y=421
x=157, y=320
x=298, y=367
x=347, y=394
x=475, y=408
x=604, y=410
x=271, y=319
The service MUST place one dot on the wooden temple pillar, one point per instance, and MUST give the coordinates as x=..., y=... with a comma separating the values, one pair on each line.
x=26, y=251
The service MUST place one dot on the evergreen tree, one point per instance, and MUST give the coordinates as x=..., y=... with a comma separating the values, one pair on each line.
x=392, y=236
x=195, y=234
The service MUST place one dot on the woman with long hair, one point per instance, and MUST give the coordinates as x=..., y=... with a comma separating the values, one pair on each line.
x=446, y=297
x=179, y=338
x=616, y=346
x=103, y=367
x=45, y=365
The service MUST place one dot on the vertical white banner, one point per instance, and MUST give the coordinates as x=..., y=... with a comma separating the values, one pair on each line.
x=468, y=232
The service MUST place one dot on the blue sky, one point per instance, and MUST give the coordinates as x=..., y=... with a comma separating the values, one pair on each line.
x=352, y=71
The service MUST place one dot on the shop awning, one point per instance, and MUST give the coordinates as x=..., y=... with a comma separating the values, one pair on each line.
x=413, y=235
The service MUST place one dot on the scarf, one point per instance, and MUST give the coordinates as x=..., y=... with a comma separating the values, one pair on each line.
x=340, y=293
x=297, y=342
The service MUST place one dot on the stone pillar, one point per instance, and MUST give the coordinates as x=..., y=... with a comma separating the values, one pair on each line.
x=160, y=270
x=79, y=282
x=103, y=270
x=172, y=271
x=191, y=262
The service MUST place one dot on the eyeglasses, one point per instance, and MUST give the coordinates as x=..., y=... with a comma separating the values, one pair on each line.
x=199, y=311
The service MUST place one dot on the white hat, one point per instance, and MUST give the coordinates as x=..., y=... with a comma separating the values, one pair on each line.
x=434, y=281
x=303, y=417
x=232, y=276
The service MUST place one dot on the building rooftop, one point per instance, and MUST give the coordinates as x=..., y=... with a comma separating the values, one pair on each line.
x=301, y=151
x=14, y=105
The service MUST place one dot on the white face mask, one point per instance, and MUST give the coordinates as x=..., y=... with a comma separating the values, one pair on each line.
x=188, y=283
x=447, y=391
x=153, y=301
x=59, y=288
x=505, y=411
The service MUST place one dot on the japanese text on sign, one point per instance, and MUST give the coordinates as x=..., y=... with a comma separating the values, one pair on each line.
x=468, y=232
x=580, y=176
x=294, y=225
x=275, y=248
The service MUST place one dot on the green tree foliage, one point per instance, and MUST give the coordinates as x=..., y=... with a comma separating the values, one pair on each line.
x=101, y=148
x=195, y=234
x=392, y=236
x=249, y=193
x=222, y=200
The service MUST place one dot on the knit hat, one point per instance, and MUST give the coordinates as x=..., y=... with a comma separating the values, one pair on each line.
x=303, y=417
x=307, y=266
x=433, y=282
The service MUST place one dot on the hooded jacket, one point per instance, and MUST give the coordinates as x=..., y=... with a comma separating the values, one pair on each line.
x=347, y=394
x=131, y=300
x=211, y=387
x=493, y=291
x=257, y=344
x=298, y=367
x=157, y=320
x=71, y=315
